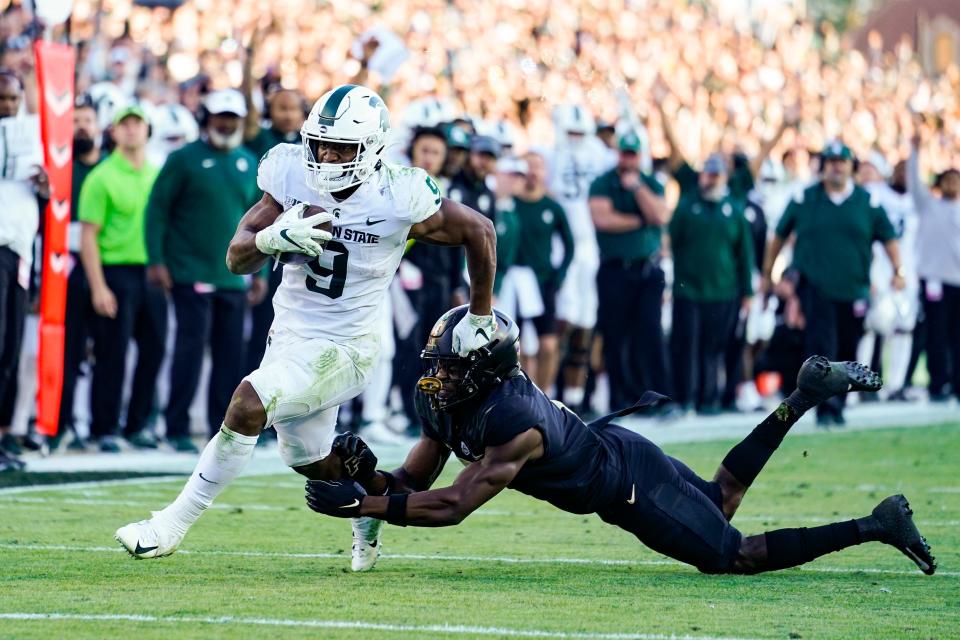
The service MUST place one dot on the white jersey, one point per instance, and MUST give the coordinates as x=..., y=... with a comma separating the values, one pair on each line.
x=572, y=170
x=903, y=217
x=340, y=294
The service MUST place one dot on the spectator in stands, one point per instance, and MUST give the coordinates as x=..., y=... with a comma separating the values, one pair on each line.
x=78, y=317
x=713, y=262
x=834, y=223
x=938, y=264
x=542, y=221
x=112, y=210
x=22, y=182
x=470, y=185
x=629, y=212
x=200, y=195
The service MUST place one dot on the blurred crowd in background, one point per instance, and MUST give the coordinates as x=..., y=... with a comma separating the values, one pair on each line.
x=652, y=168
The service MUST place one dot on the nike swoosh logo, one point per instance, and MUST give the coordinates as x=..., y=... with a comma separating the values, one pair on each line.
x=370, y=222
x=140, y=549
x=481, y=332
x=283, y=234
x=355, y=503
x=633, y=494
x=205, y=480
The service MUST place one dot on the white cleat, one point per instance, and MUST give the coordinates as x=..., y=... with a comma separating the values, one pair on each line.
x=149, y=538
x=363, y=554
x=366, y=543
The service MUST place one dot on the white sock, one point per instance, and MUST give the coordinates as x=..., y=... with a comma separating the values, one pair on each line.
x=221, y=460
x=366, y=529
x=573, y=396
x=901, y=345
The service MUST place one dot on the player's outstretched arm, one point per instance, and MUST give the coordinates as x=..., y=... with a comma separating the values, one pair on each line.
x=448, y=506
x=454, y=225
x=419, y=471
x=243, y=256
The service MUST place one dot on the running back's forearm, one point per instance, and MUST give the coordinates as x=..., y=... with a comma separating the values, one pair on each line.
x=243, y=257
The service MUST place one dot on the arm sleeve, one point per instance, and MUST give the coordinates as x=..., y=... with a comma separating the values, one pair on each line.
x=93, y=200
x=788, y=221
x=507, y=419
x=918, y=190
x=687, y=178
x=563, y=226
x=160, y=209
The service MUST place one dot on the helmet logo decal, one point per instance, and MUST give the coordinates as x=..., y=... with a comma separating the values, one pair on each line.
x=332, y=107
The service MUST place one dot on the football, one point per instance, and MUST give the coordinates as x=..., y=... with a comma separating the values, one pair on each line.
x=295, y=257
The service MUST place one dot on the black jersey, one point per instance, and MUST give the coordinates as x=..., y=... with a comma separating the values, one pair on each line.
x=580, y=471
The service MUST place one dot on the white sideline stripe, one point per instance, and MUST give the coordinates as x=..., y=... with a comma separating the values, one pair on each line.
x=351, y=624
x=451, y=558
x=69, y=486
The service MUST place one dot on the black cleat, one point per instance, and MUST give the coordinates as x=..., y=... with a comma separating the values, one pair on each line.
x=898, y=530
x=821, y=379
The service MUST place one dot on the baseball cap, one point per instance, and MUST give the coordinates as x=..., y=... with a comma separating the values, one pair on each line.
x=836, y=149
x=457, y=138
x=715, y=164
x=131, y=110
x=485, y=144
x=226, y=101
x=629, y=141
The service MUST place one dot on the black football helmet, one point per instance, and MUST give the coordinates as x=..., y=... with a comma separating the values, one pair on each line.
x=479, y=372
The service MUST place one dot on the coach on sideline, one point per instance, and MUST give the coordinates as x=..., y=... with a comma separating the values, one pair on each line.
x=835, y=223
x=629, y=213
x=200, y=195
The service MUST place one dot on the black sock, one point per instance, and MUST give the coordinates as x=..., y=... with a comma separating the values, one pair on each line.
x=793, y=547
x=746, y=460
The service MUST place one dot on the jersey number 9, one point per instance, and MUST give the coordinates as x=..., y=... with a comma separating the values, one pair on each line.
x=335, y=270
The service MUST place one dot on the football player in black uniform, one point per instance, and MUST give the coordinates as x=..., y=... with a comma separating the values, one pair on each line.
x=488, y=413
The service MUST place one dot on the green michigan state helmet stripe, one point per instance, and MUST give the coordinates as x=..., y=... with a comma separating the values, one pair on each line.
x=330, y=109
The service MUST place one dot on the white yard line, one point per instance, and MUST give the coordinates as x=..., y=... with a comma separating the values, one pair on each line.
x=451, y=558
x=70, y=486
x=443, y=629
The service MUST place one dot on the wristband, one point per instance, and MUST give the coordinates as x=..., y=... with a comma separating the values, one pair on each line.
x=397, y=509
x=391, y=481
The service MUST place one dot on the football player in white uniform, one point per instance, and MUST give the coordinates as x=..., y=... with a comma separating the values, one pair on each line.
x=578, y=158
x=325, y=337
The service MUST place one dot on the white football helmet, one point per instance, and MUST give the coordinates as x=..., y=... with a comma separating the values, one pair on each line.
x=349, y=114
x=573, y=118
x=107, y=99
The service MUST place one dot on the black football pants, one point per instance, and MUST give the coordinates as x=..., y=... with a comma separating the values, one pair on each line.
x=13, y=312
x=943, y=339
x=698, y=343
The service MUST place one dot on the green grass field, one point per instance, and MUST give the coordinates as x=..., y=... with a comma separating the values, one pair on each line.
x=263, y=565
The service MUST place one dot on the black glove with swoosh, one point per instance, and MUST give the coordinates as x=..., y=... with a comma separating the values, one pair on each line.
x=357, y=460
x=337, y=498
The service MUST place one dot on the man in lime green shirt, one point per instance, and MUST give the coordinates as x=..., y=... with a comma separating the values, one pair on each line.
x=629, y=213
x=112, y=210
x=835, y=223
x=203, y=190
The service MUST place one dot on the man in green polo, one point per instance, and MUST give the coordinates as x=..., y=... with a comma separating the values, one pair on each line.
x=629, y=213
x=712, y=261
x=200, y=195
x=834, y=223
x=112, y=207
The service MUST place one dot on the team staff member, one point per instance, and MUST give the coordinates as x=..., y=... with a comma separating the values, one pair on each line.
x=112, y=210
x=541, y=218
x=835, y=223
x=712, y=260
x=200, y=195
x=86, y=155
x=469, y=186
x=629, y=212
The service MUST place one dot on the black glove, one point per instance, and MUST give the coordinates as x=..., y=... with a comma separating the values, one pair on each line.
x=357, y=460
x=337, y=498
